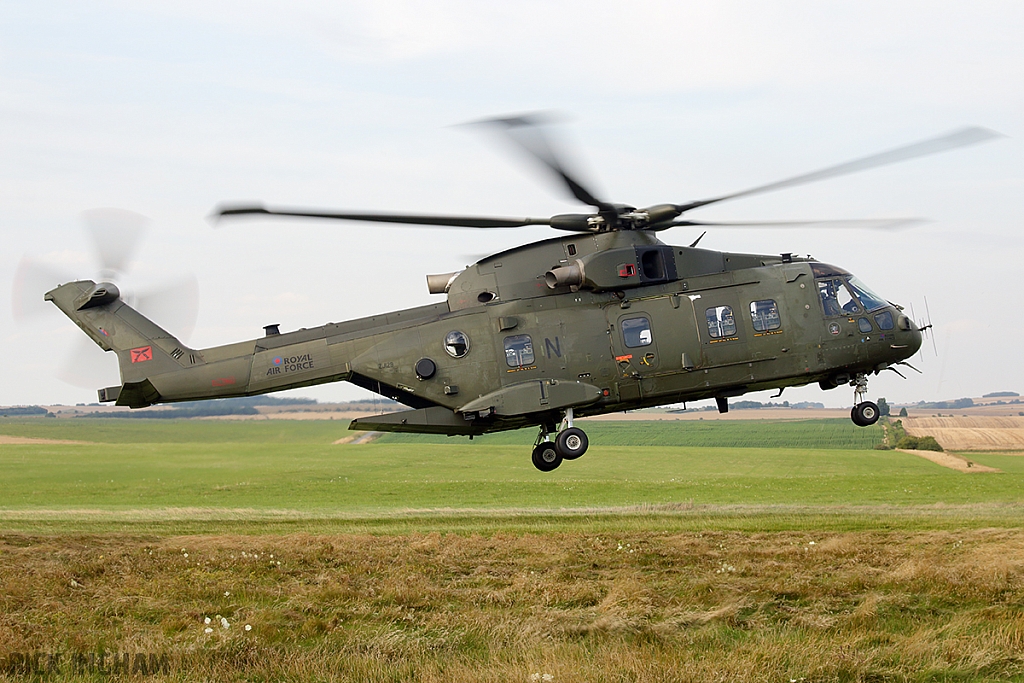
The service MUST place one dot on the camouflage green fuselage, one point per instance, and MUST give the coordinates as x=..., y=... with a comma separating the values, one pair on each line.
x=643, y=324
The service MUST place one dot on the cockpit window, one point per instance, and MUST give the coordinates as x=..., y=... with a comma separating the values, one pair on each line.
x=836, y=298
x=871, y=301
x=826, y=270
x=884, y=320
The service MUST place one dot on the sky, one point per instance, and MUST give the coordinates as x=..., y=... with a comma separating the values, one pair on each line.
x=167, y=109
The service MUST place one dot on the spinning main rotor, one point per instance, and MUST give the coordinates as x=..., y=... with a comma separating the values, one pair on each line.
x=527, y=133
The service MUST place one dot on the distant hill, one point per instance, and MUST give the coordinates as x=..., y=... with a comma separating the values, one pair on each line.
x=217, y=407
x=23, y=411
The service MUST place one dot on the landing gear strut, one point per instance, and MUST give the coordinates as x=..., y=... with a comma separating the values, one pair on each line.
x=864, y=413
x=570, y=443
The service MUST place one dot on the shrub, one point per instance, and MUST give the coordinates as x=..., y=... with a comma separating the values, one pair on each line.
x=918, y=443
x=908, y=442
x=928, y=443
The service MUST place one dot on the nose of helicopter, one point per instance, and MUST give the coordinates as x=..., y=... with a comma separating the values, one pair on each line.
x=912, y=339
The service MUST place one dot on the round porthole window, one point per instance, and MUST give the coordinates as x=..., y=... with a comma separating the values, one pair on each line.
x=456, y=344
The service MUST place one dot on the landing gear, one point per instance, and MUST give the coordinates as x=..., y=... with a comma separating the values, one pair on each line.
x=864, y=413
x=570, y=443
x=545, y=457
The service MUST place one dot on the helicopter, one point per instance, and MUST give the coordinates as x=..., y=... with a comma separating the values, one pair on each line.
x=605, y=318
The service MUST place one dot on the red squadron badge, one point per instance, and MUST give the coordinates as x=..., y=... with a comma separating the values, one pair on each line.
x=142, y=354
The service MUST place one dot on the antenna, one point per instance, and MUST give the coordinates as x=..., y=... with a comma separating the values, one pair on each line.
x=931, y=332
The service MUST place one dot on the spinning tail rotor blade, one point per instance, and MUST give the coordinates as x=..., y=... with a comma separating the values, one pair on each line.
x=86, y=366
x=958, y=138
x=174, y=306
x=32, y=279
x=115, y=234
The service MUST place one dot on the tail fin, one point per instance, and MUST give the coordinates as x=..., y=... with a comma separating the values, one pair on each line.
x=143, y=348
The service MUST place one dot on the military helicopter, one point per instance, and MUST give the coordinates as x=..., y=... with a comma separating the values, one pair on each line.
x=606, y=318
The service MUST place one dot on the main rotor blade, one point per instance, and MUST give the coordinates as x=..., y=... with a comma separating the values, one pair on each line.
x=414, y=219
x=858, y=223
x=959, y=138
x=526, y=132
x=115, y=234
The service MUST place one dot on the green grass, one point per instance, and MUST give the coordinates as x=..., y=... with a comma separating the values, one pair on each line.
x=127, y=431
x=827, y=433
x=817, y=434
x=285, y=472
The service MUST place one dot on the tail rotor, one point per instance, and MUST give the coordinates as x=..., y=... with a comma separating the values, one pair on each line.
x=115, y=236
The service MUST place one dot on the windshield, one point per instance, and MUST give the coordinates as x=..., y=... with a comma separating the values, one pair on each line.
x=870, y=300
x=836, y=298
x=847, y=296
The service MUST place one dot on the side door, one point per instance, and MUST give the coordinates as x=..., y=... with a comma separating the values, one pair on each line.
x=632, y=336
x=723, y=336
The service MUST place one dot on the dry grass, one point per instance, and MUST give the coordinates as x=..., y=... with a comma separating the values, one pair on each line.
x=952, y=461
x=6, y=440
x=978, y=433
x=640, y=606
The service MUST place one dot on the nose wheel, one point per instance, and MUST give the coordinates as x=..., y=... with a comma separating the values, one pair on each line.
x=864, y=413
x=570, y=443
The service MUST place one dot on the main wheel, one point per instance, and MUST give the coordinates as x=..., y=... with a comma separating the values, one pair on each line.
x=571, y=443
x=546, y=457
x=865, y=414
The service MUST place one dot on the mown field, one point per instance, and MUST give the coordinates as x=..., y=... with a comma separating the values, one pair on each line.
x=722, y=551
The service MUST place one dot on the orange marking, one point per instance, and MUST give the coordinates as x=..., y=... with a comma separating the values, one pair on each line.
x=142, y=354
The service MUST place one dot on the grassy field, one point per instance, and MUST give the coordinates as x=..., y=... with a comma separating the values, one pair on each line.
x=174, y=476
x=727, y=551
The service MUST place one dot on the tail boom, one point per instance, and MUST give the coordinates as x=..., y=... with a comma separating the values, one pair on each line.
x=156, y=367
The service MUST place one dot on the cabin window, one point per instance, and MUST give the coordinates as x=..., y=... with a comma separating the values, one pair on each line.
x=456, y=344
x=519, y=350
x=765, y=315
x=884, y=320
x=721, y=322
x=836, y=298
x=864, y=325
x=636, y=332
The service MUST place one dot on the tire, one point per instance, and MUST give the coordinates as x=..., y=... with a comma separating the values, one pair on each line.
x=865, y=414
x=546, y=457
x=855, y=417
x=571, y=443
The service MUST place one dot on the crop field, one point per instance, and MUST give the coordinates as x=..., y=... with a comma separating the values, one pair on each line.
x=672, y=550
x=974, y=433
